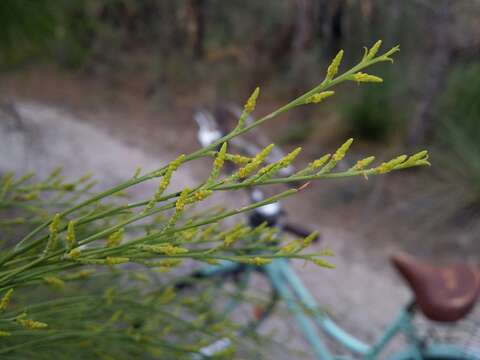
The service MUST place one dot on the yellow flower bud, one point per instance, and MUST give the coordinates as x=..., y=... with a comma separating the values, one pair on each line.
x=166, y=249
x=31, y=324
x=137, y=172
x=374, y=49
x=319, y=97
x=308, y=240
x=165, y=182
x=71, y=239
x=362, y=164
x=363, y=77
x=53, y=236
x=323, y=263
x=74, y=253
x=261, y=261
x=248, y=108
x=333, y=68
x=218, y=164
x=254, y=164
x=6, y=299
x=390, y=165
x=337, y=156
x=314, y=165
x=252, y=100
x=54, y=281
x=342, y=150
x=115, y=238
x=116, y=260
x=290, y=247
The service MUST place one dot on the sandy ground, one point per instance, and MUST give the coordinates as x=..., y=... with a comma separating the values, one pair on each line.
x=363, y=293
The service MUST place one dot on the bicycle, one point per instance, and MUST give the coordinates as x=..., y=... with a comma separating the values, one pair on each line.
x=442, y=293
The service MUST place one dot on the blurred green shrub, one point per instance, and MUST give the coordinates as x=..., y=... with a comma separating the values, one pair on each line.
x=26, y=28
x=458, y=133
x=68, y=31
x=372, y=116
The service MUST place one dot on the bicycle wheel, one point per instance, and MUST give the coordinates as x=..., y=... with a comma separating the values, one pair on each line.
x=235, y=301
x=444, y=352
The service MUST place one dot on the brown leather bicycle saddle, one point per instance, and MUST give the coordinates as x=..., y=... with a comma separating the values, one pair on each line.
x=443, y=293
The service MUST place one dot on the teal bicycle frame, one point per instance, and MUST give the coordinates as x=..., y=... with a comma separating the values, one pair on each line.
x=311, y=318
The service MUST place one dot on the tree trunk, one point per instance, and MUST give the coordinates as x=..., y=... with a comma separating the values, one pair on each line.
x=422, y=123
x=303, y=25
x=198, y=11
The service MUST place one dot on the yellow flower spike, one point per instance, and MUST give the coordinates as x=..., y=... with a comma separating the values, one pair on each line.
x=327, y=252
x=419, y=158
x=71, y=239
x=238, y=159
x=314, y=165
x=54, y=282
x=323, y=263
x=319, y=97
x=218, y=164
x=198, y=195
x=320, y=162
x=260, y=261
x=290, y=247
x=53, y=236
x=337, y=156
x=363, y=77
x=254, y=164
x=179, y=206
x=172, y=262
x=248, y=108
x=164, y=265
x=115, y=238
x=207, y=232
x=362, y=164
x=309, y=239
x=212, y=261
x=53, y=227
x=5, y=333
x=6, y=299
x=268, y=171
x=234, y=229
x=33, y=195
x=174, y=165
x=74, y=253
x=422, y=163
x=166, y=249
x=252, y=100
x=232, y=235
x=31, y=324
x=110, y=260
x=390, y=165
x=288, y=159
x=342, y=150
x=137, y=172
x=189, y=235
x=333, y=67
x=374, y=50
x=182, y=200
